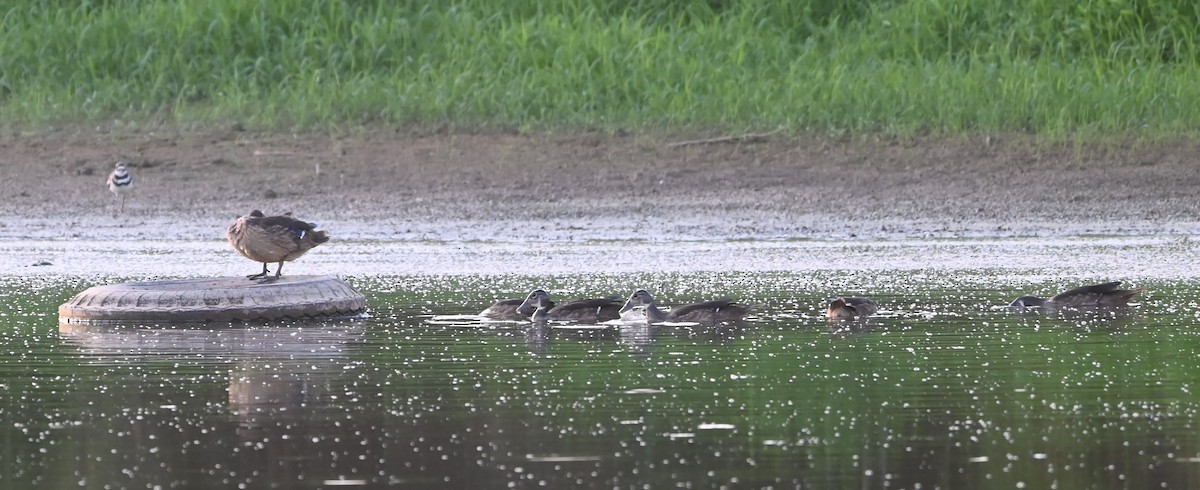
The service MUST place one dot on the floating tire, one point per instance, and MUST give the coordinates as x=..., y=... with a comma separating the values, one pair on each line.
x=214, y=300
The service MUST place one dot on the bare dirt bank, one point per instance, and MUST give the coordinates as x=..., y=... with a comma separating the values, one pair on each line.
x=386, y=184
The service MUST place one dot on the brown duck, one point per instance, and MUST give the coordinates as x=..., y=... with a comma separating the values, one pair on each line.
x=848, y=307
x=273, y=239
x=1107, y=294
x=512, y=309
x=581, y=310
x=715, y=311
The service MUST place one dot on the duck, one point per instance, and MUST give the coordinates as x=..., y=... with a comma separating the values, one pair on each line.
x=849, y=307
x=269, y=239
x=120, y=182
x=583, y=310
x=715, y=311
x=1107, y=294
x=510, y=309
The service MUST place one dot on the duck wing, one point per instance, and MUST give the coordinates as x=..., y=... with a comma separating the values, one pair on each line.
x=718, y=309
x=600, y=309
x=864, y=306
x=1096, y=294
x=503, y=309
x=291, y=227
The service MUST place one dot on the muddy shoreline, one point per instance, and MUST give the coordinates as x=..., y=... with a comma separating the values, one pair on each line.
x=390, y=185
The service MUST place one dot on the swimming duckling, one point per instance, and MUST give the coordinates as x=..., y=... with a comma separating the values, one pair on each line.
x=847, y=307
x=1105, y=294
x=715, y=311
x=273, y=239
x=541, y=305
x=120, y=182
x=511, y=309
x=583, y=310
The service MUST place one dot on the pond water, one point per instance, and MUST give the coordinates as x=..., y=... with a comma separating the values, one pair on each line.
x=946, y=388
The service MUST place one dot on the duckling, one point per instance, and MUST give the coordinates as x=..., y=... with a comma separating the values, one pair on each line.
x=541, y=305
x=510, y=309
x=584, y=310
x=120, y=182
x=847, y=307
x=715, y=311
x=1105, y=294
x=273, y=239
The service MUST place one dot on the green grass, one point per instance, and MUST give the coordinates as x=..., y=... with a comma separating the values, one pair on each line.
x=1043, y=66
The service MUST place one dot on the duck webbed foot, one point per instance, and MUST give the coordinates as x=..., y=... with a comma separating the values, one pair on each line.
x=260, y=274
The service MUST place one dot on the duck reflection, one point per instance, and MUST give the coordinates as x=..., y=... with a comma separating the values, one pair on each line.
x=1084, y=320
x=639, y=338
x=846, y=327
x=539, y=333
x=537, y=337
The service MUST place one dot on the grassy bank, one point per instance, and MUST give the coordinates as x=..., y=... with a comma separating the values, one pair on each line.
x=1051, y=67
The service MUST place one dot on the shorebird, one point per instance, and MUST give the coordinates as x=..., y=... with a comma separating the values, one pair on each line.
x=715, y=311
x=120, y=182
x=845, y=307
x=273, y=239
x=1105, y=294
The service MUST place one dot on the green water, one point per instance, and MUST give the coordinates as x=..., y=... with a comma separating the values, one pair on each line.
x=946, y=389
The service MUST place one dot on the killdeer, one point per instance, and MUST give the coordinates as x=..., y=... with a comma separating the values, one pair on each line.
x=120, y=182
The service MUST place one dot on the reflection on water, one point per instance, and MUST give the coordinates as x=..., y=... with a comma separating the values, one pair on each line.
x=120, y=343
x=281, y=411
x=946, y=388
x=273, y=368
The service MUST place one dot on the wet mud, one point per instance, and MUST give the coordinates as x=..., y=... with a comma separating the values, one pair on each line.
x=385, y=184
x=408, y=202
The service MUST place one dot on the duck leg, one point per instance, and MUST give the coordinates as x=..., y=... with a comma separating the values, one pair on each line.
x=260, y=274
x=279, y=269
